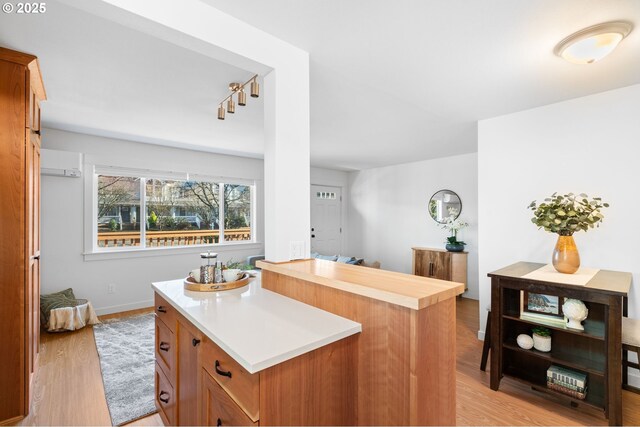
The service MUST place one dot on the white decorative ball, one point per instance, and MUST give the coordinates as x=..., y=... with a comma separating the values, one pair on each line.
x=576, y=312
x=525, y=341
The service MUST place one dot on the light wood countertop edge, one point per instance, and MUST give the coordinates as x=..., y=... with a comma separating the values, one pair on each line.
x=451, y=291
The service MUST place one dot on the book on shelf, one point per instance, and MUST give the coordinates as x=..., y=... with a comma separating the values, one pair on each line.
x=567, y=377
x=573, y=393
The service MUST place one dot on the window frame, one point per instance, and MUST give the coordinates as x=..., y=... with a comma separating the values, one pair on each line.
x=93, y=251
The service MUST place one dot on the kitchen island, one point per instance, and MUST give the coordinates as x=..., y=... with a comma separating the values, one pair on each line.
x=310, y=343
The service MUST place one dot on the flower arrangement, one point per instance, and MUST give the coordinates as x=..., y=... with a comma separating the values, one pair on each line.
x=568, y=213
x=454, y=225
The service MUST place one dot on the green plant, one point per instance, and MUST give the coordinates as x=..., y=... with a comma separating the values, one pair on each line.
x=182, y=224
x=541, y=331
x=153, y=220
x=565, y=214
x=113, y=225
x=239, y=265
x=454, y=225
x=167, y=223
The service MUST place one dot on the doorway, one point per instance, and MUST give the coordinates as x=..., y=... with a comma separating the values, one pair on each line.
x=326, y=219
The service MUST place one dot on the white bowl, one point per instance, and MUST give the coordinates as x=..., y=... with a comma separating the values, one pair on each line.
x=231, y=274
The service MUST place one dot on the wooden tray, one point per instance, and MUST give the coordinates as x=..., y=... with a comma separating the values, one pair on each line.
x=215, y=287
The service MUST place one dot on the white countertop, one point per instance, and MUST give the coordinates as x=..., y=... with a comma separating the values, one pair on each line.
x=257, y=327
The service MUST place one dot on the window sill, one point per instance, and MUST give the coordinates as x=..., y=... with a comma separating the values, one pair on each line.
x=124, y=253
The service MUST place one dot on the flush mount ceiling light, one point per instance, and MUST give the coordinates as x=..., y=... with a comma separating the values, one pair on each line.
x=593, y=43
x=238, y=88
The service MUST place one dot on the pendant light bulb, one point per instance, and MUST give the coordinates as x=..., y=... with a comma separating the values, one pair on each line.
x=220, y=112
x=255, y=89
x=231, y=106
x=242, y=98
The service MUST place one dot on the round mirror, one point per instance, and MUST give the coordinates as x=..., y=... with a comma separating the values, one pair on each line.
x=443, y=204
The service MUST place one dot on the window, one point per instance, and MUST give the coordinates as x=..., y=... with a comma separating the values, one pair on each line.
x=134, y=211
x=325, y=195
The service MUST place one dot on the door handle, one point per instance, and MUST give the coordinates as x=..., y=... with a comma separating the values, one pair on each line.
x=195, y=342
x=219, y=422
x=430, y=269
x=164, y=346
x=162, y=397
x=220, y=371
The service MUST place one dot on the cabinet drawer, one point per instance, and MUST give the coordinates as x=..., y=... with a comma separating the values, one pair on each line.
x=165, y=398
x=165, y=349
x=165, y=312
x=242, y=386
x=218, y=409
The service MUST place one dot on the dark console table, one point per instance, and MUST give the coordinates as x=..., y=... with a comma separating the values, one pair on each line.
x=596, y=351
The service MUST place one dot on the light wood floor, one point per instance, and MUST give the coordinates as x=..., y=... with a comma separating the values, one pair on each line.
x=69, y=390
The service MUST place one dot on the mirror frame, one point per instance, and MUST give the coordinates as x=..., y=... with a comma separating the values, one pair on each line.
x=449, y=191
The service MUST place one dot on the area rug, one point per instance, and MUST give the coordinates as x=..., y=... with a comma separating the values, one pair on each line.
x=126, y=350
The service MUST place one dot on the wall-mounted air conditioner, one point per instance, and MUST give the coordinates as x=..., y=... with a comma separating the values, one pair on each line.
x=60, y=163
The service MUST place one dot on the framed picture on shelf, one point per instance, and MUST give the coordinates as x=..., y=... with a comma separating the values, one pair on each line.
x=542, y=308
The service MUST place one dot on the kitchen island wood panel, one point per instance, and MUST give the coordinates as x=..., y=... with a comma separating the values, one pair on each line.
x=406, y=356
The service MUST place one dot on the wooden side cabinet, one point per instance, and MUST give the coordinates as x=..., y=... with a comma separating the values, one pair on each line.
x=440, y=264
x=596, y=351
x=21, y=91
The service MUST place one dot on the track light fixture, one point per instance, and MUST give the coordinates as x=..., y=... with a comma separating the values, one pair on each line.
x=237, y=88
x=242, y=98
x=255, y=88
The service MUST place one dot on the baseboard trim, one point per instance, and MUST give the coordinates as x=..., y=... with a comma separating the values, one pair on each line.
x=123, y=307
x=12, y=421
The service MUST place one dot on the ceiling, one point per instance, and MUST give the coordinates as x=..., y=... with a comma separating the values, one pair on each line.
x=391, y=81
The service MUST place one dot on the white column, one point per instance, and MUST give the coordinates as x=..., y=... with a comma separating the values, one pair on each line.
x=286, y=163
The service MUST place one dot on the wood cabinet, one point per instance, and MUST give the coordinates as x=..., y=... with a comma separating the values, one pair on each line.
x=440, y=264
x=198, y=383
x=406, y=354
x=21, y=91
x=596, y=351
x=189, y=342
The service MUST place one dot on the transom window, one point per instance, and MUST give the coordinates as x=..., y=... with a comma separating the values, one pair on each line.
x=325, y=195
x=135, y=211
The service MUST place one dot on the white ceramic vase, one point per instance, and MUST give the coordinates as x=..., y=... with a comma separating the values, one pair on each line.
x=541, y=343
x=575, y=311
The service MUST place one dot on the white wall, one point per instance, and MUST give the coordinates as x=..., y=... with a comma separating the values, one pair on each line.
x=63, y=263
x=588, y=145
x=388, y=211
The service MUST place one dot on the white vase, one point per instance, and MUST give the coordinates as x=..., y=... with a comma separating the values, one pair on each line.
x=541, y=343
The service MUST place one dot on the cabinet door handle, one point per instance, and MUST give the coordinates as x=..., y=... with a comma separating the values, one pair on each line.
x=195, y=342
x=163, y=399
x=430, y=269
x=221, y=372
x=164, y=346
x=219, y=422
x=161, y=309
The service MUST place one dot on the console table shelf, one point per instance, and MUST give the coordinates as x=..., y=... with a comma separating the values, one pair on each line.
x=592, y=329
x=596, y=351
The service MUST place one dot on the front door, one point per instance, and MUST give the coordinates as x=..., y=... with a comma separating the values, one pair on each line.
x=326, y=219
